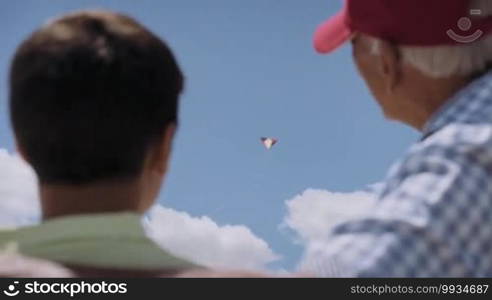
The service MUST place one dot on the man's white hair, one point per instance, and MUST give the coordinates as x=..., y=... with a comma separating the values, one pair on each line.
x=445, y=61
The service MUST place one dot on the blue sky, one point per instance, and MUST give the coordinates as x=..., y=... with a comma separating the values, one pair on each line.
x=251, y=72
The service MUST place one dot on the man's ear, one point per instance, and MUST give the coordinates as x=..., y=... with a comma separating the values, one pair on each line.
x=162, y=151
x=389, y=65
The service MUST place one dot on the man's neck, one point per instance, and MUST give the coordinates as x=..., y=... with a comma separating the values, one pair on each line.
x=63, y=200
x=438, y=93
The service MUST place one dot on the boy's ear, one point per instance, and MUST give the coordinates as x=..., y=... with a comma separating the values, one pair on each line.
x=163, y=150
x=20, y=151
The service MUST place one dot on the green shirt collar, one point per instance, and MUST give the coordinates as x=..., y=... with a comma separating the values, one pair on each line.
x=98, y=240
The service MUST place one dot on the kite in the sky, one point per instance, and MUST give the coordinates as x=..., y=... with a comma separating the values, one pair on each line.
x=268, y=142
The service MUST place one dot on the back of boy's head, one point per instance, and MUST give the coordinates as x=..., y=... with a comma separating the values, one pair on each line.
x=90, y=93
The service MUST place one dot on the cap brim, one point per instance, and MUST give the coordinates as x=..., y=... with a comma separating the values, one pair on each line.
x=332, y=34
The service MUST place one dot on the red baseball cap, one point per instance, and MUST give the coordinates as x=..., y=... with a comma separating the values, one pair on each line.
x=405, y=22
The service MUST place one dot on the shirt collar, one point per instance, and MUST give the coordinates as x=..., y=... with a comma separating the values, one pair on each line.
x=463, y=106
x=114, y=240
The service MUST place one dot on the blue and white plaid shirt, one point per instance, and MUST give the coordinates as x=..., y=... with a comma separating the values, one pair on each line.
x=433, y=217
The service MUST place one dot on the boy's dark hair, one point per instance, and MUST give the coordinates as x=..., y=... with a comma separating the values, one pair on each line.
x=89, y=94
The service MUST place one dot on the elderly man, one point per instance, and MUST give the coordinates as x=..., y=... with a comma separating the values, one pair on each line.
x=427, y=64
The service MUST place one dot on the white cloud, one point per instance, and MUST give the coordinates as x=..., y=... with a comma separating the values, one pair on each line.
x=203, y=241
x=18, y=192
x=313, y=214
x=198, y=239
